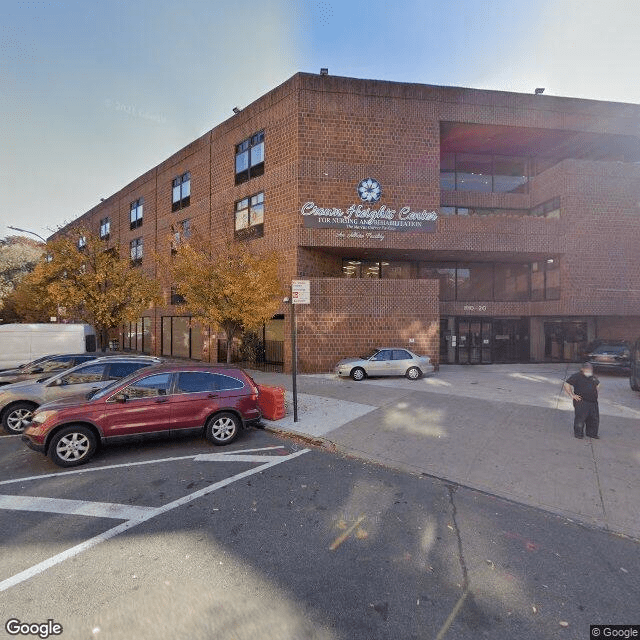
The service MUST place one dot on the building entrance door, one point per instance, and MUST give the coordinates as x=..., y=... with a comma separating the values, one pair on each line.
x=474, y=341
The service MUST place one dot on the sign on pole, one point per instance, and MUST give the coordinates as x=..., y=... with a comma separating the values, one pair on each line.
x=301, y=291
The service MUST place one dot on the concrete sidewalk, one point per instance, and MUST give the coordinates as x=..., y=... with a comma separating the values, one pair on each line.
x=503, y=429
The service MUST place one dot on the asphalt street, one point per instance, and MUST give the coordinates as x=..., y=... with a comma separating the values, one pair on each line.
x=275, y=541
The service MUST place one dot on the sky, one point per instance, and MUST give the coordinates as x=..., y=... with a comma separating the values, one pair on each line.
x=92, y=94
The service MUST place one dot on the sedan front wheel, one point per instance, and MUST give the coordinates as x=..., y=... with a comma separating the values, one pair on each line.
x=358, y=374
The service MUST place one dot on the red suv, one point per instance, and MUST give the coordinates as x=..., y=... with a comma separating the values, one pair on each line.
x=163, y=398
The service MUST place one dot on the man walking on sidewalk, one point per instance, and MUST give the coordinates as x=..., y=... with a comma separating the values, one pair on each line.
x=582, y=387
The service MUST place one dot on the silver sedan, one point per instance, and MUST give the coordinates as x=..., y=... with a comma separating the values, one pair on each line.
x=388, y=361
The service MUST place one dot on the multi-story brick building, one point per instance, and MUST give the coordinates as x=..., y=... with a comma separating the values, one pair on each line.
x=495, y=227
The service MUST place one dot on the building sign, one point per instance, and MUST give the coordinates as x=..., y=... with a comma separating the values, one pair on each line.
x=364, y=218
x=301, y=291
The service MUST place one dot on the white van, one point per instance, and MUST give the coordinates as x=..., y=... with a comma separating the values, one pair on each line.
x=20, y=343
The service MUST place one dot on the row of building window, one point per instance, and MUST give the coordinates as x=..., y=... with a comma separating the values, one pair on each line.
x=473, y=281
x=548, y=209
x=484, y=173
x=249, y=163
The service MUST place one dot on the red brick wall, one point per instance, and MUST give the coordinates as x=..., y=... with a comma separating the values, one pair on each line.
x=324, y=134
x=347, y=317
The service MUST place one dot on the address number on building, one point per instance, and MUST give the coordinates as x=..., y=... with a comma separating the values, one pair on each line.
x=472, y=307
x=301, y=291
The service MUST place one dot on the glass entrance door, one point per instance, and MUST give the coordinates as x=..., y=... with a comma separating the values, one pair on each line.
x=474, y=341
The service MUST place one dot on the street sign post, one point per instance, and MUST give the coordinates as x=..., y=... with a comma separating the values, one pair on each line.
x=300, y=294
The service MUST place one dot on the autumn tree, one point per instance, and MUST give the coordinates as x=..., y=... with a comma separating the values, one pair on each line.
x=18, y=257
x=86, y=278
x=230, y=289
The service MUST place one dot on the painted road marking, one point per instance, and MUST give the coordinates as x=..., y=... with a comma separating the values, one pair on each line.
x=230, y=457
x=74, y=507
x=122, y=465
x=129, y=524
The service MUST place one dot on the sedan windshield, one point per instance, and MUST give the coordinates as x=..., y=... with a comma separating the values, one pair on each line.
x=370, y=354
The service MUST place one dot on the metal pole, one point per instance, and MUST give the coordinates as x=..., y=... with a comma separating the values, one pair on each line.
x=294, y=359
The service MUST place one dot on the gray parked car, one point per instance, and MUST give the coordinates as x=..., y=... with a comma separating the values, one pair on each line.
x=19, y=400
x=387, y=361
x=44, y=367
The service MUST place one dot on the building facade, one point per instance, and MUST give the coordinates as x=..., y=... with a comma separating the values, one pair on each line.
x=471, y=226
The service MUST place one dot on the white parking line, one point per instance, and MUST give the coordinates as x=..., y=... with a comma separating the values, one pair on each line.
x=124, y=464
x=129, y=524
x=74, y=507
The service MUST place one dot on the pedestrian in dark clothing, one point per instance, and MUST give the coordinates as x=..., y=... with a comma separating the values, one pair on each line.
x=582, y=387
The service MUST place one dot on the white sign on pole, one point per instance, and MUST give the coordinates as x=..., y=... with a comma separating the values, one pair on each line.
x=301, y=291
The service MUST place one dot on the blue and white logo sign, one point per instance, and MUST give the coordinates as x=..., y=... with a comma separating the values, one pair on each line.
x=369, y=190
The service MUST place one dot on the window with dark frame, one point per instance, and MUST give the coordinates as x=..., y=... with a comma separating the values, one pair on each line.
x=105, y=228
x=471, y=282
x=249, y=217
x=82, y=242
x=181, y=191
x=484, y=173
x=176, y=298
x=249, y=161
x=136, y=247
x=181, y=231
x=135, y=213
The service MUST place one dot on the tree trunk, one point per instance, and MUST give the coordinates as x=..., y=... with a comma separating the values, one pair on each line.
x=229, y=347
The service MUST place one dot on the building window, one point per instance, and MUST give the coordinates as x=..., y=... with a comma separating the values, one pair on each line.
x=136, y=251
x=250, y=158
x=181, y=191
x=135, y=213
x=249, y=217
x=484, y=173
x=474, y=281
x=181, y=231
x=176, y=298
x=181, y=337
x=512, y=282
x=82, y=242
x=548, y=209
x=136, y=336
x=105, y=228
x=481, y=211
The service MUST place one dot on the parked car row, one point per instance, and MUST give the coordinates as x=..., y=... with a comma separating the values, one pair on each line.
x=158, y=399
x=65, y=406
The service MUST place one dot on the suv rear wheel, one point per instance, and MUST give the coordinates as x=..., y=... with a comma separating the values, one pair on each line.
x=222, y=428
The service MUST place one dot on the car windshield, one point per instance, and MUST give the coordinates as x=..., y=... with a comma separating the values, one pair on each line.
x=370, y=354
x=611, y=348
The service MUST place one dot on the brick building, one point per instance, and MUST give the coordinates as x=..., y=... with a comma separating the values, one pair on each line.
x=473, y=226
